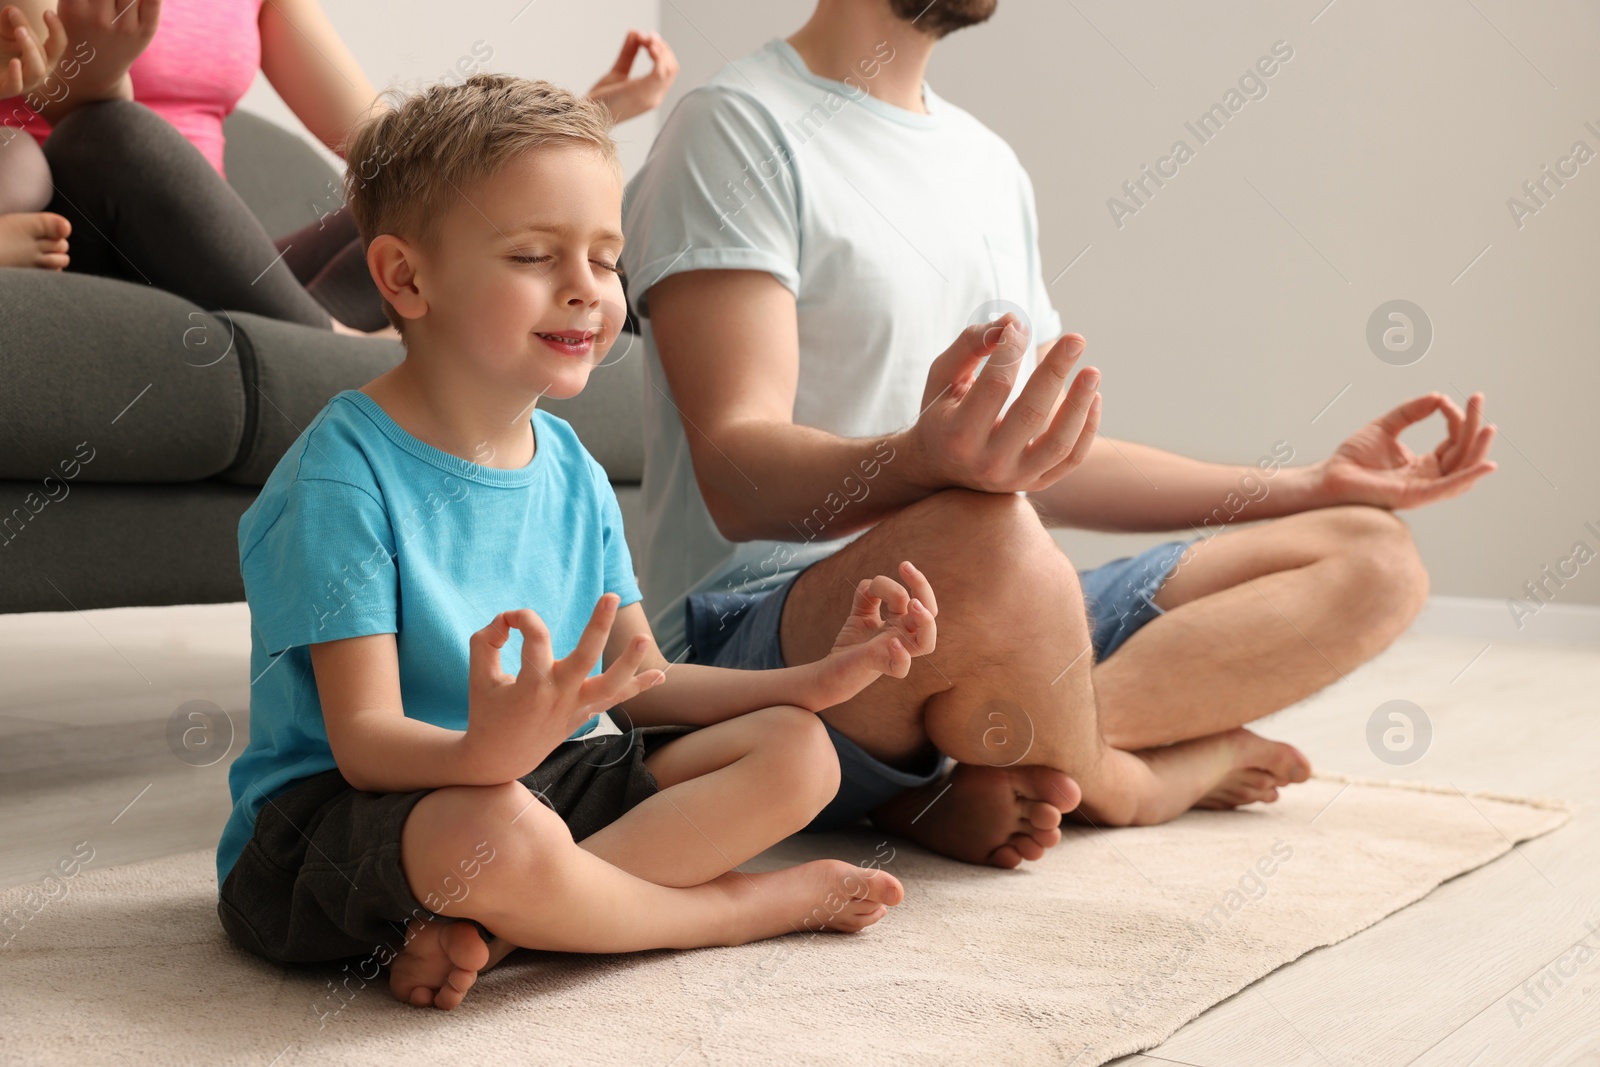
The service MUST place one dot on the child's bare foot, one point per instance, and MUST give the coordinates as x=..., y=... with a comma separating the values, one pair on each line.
x=1260, y=768
x=438, y=965
x=994, y=815
x=820, y=895
x=34, y=239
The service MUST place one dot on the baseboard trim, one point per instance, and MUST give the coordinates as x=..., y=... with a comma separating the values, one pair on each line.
x=1491, y=620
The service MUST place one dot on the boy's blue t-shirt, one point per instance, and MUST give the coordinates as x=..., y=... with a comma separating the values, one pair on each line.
x=364, y=529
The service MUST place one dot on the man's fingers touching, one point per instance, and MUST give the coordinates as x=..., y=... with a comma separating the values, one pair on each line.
x=1412, y=411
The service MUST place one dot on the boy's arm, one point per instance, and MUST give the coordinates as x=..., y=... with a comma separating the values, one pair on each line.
x=868, y=646
x=513, y=721
x=377, y=748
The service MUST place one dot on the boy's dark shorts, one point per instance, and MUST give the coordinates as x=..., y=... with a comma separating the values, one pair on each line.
x=321, y=880
x=741, y=630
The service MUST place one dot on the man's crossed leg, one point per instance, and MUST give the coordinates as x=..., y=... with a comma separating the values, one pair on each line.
x=1248, y=622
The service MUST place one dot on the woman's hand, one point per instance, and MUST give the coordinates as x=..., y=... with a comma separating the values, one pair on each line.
x=513, y=723
x=26, y=60
x=108, y=36
x=870, y=645
x=627, y=97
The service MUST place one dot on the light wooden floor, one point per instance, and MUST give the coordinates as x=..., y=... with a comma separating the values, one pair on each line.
x=84, y=756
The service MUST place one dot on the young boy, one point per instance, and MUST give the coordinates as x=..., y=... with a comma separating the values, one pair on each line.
x=397, y=773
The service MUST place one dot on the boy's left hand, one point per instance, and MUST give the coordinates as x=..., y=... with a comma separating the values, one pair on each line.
x=871, y=644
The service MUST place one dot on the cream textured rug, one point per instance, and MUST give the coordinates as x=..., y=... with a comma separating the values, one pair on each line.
x=1104, y=948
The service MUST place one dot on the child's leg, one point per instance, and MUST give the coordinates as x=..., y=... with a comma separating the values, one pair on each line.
x=728, y=791
x=541, y=890
x=24, y=173
x=29, y=235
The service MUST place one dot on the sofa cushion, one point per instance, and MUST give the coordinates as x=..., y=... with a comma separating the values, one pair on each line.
x=293, y=372
x=172, y=411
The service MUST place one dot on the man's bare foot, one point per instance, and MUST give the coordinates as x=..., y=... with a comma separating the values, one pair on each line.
x=439, y=963
x=34, y=239
x=1260, y=768
x=980, y=814
x=820, y=895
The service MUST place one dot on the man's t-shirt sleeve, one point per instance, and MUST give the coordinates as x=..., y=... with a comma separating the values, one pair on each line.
x=324, y=569
x=718, y=192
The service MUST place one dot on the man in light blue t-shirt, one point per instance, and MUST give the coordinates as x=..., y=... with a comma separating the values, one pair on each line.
x=811, y=230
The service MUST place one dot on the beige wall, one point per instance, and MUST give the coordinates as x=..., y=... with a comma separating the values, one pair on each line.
x=414, y=42
x=1233, y=307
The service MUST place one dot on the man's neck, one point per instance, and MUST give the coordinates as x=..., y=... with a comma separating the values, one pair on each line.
x=844, y=40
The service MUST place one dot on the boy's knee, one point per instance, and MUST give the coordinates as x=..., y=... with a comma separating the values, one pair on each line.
x=802, y=754
x=505, y=830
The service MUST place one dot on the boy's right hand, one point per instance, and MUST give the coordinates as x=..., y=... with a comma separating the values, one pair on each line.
x=513, y=723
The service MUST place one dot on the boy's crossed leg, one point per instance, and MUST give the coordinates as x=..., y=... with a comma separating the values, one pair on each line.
x=661, y=876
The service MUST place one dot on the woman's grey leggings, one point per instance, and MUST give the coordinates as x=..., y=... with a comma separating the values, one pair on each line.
x=146, y=206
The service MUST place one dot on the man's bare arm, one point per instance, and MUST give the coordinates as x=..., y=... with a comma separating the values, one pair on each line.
x=1126, y=487
x=729, y=344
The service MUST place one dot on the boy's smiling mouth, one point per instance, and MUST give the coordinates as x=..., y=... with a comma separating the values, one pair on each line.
x=570, y=342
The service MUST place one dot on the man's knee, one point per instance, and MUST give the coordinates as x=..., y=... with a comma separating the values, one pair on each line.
x=1380, y=559
x=991, y=536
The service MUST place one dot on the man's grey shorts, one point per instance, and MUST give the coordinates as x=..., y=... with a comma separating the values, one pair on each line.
x=736, y=629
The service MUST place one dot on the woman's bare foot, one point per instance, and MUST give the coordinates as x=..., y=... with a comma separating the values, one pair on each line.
x=34, y=239
x=999, y=816
x=388, y=332
x=820, y=895
x=439, y=963
x=1260, y=768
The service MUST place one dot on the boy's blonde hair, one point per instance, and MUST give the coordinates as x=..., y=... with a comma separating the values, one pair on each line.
x=406, y=164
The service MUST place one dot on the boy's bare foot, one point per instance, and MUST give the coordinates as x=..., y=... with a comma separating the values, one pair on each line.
x=438, y=965
x=1260, y=767
x=980, y=814
x=820, y=895
x=34, y=239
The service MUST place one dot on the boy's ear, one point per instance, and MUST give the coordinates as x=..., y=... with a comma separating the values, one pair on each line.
x=392, y=261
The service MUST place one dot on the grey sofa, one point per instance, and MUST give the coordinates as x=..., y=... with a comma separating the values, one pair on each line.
x=136, y=428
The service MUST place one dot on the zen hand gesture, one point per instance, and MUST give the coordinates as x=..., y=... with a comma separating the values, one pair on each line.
x=964, y=440
x=514, y=722
x=1374, y=467
x=627, y=96
x=870, y=644
x=115, y=31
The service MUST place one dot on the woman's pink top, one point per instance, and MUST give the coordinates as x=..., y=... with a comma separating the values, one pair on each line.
x=203, y=57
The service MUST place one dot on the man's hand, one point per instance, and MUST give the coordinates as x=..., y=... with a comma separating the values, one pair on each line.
x=626, y=96
x=1373, y=467
x=25, y=61
x=961, y=438
x=115, y=32
x=514, y=722
x=869, y=645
